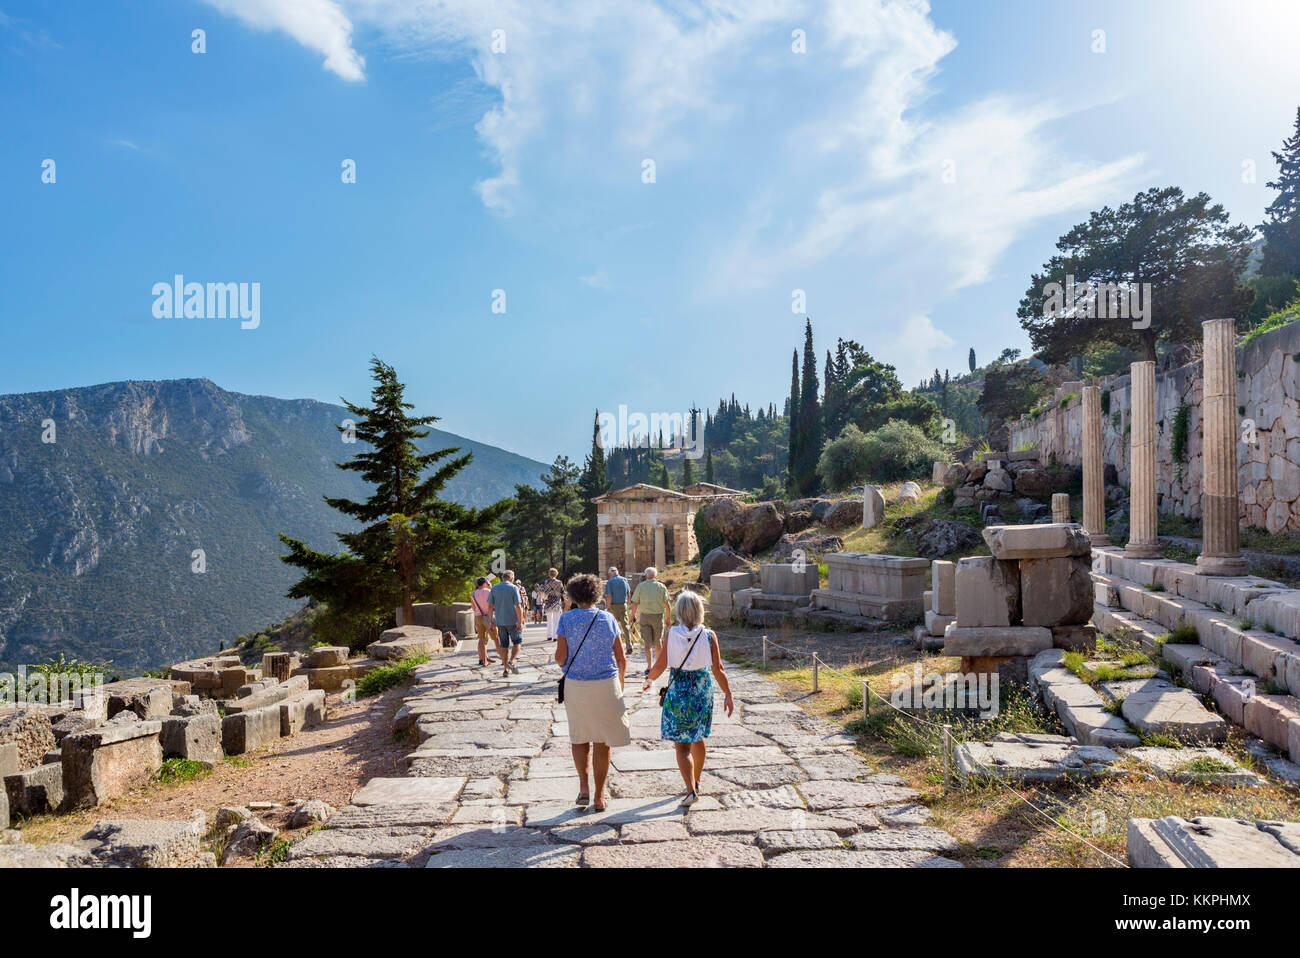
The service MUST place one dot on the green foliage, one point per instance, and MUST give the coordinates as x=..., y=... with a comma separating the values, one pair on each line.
x=1286, y=315
x=1010, y=391
x=412, y=544
x=1184, y=247
x=545, y=524
x=1182, y=634
x=58, y=666
x=1178, y=442
x=385, y=677
x=897, y=450
x=1105, y=402
x=1281, y=226
x=706, y=536
x=177, y=771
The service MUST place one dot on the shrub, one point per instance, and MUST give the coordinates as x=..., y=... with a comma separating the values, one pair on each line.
x=384, y=678
x=897, y=450
x=706, y=536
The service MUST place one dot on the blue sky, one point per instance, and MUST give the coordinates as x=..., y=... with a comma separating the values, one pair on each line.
x=907, y=172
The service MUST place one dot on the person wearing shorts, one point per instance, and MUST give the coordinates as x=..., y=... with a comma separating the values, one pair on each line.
x=480, y=600
x=650, y=611
x=508, y=614
x=616, y=594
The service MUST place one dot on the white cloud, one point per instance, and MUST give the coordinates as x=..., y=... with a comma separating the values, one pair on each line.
x=915, y=342
x=319, y=25
x=596, y=280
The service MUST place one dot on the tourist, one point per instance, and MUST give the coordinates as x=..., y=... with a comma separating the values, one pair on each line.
x=539, y=601
x=508, y=613
x=553, y=602
x=691, y=653
x=480, y=599
x=616, y=593
x=650, y=613
x=590, y=653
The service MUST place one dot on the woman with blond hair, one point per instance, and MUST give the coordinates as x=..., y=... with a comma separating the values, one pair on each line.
x=590, y=652
x=691, y=651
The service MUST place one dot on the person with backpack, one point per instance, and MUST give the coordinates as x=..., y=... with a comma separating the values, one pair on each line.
x=591, y=655
x=691, y=652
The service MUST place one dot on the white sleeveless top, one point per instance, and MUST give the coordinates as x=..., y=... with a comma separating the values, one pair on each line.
x=680, y=639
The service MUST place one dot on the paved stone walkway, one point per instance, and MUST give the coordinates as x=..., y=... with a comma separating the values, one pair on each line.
x=491, y=783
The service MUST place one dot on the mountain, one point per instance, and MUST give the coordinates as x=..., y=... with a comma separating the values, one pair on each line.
x=99, y=527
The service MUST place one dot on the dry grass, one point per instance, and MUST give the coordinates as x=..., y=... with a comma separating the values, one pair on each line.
x=1066, y=825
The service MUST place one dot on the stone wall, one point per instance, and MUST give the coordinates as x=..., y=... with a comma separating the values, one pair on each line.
x=1268, y=394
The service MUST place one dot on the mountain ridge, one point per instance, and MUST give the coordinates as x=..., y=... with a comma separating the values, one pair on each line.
x=107, y=491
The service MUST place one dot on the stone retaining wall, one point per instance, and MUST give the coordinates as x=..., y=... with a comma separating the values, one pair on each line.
x=1268, y=394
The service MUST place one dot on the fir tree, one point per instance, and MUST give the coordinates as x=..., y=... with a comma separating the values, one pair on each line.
x=411, y=544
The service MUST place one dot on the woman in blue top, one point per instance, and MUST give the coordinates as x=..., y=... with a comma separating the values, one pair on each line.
x=589, y=651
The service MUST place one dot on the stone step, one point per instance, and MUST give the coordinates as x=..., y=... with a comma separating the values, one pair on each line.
x=868, y=606
x=829, y=620
x=772, y=602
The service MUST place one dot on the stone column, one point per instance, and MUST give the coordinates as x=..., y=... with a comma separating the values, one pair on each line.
x=1221, y=547
x=1060, y=507
x=1142, y=542
x=1094, y=469
x=629, y=551
x=661, y=550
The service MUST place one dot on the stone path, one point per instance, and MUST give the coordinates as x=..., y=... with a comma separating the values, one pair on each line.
x=492, y=784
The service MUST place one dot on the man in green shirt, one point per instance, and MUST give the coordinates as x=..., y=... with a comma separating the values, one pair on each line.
x=650, y=612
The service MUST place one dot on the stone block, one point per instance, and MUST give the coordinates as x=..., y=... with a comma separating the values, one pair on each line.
x=1260, y=652
x=145, y=844
x=197, y=738
x=303, y=711
x=996, y=641
x=147, y=698
x=987, y=592
x=788, y=578
x=9, y=759
x=277, y=665
x=329, y=679
x=314, y=708
x=936, y=624
x=1045, y=541
x=106, y=762
x=30, y=732
x=1186, y=657
x=1158, y=708
x=406, y=642
x=1074, y=638
x=1269, y=716
x=34, y=791
x=729, y=582
x=873, y=507
x=1206, y=842
x=943, y=583
x=326, y=657
x=247, y=731
x=1056, y=591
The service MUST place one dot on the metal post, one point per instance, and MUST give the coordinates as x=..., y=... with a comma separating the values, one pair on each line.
x=947, y=756
x=866, y=700
x=764, y=653
x=815, y=663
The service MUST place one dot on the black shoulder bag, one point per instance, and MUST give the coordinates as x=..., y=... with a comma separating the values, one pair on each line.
x=575, y=654
x=663, y=692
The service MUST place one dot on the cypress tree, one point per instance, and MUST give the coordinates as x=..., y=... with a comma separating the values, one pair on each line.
x=593, y=482
x=792, y=410
x=810, y=424
x=708, y=464
x=971, y=360
x=1281, y=226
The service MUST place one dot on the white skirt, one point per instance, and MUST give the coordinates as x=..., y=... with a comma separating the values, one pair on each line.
x=596, y=713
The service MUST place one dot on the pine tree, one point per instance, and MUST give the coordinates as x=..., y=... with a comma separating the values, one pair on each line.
x=1281, y=226
x=411, y=543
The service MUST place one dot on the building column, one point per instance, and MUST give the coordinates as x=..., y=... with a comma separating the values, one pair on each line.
x=1094, y=469
x=1060, y=507
x=1220, y=510
x=1142, y=541
x=629, y=550
x=661, y=550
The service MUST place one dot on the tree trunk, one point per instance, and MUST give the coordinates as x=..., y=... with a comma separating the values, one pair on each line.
x=1148, y=345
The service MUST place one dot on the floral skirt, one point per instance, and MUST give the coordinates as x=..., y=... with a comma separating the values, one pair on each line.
x=688, y=706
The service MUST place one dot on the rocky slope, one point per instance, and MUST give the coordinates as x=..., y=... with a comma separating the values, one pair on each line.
x=99, y=527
